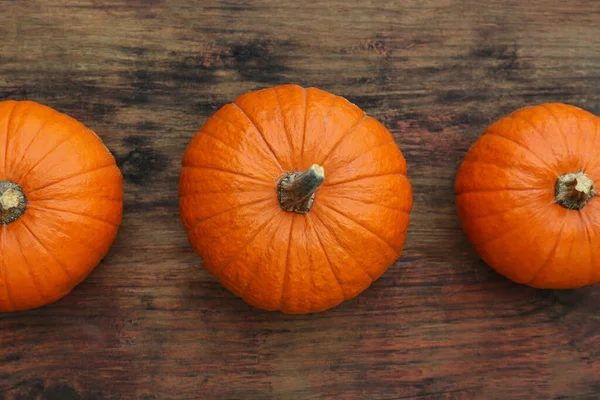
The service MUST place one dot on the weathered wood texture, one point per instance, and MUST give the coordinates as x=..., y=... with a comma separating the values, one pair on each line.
x=150, y=323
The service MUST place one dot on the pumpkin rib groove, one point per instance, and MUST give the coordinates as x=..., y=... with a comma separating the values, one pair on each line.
x=238, y=152
x=329, y=108
x=497, y=214
x=353, y=127
x=368, y=202
x=311, y=273
x=285, y=127
x=587, y=162
x=14, y=128
x=326, y=255
x=33, y=139
x=577, y=145
x=62, y=267
x=494, y=133
x=192, y=194
x=370, y=150
x=6, y=285
x=88, y=245
x=243, y=247
x=528, y=122
x=559, y=127
x=337, y=240
x=535, y=129
x=589, y=237
x=501, y=190
x=39, y=160
x=193, y=227
x=481, y=162
x=325, y=116
x=361, y=225
x=550, y=254
x=304, y=128
x=269, y=149
x=597, y=130
x=260, y=133
x=354, y=179
x=287, y=261
x=36, y=284
x=253, y=274
x=66, y=178
x=264, y=183
x=50, y=209
x=109, y=199
x=8, y=126
x=513, y=168
x=514, y=228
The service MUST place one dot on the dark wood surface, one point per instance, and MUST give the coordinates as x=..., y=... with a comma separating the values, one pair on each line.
x=150, y=323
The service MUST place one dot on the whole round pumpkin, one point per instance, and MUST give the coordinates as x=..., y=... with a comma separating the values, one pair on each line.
x=60, y=204
x=295, y=199
x=527, y=200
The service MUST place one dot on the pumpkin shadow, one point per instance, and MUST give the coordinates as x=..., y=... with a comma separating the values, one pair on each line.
x=83, y=319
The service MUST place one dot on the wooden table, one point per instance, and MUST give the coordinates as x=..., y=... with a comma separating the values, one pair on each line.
x=150, y=323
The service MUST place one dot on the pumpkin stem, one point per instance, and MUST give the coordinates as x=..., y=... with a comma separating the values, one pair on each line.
x=296, y=190
x=12, y=202
x=574, y=190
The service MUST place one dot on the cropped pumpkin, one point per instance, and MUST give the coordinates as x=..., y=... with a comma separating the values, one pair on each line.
x=60, y=204
x=294, y=198
x=527, y=198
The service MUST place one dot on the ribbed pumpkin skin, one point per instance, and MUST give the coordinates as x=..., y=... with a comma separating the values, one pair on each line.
x=505, y=197
x=279, y=260
x=74, y=191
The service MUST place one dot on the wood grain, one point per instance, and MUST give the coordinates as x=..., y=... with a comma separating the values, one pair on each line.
x=150, y=323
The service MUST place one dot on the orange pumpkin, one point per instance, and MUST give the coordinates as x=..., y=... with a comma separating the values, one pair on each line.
x=60, y=204
x=295, y=199
x=527, y=200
